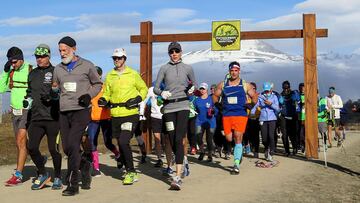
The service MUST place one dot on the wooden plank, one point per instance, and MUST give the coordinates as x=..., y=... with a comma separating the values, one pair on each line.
x=245, y=35
x=146, y=68
x=311, y=84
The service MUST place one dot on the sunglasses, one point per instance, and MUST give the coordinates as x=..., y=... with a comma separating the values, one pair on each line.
x=40, y=56
x=174, y=51
x=115, y=58
x=14, y=61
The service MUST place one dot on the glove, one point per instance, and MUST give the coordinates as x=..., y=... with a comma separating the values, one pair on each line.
x=165, y=94
x=27, y=103
x=133, y=102
x=159, y=101
x=249, y=106
x=191, y=89
x=210, y=112
x=84, y=100
x=197, y=93
x=142, y=118
x=7, y=66
x=102, y=102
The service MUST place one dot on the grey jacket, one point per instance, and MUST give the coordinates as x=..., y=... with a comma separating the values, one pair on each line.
x=176, y=77
x=83, y=79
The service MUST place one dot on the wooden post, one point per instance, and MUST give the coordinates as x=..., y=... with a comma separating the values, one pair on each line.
x=146, y=69
x=310, y=80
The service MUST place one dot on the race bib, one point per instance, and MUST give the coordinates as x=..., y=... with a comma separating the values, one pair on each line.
x=17, y=112
x=169, y=126
x=126, y=126
x=232, y=100
x=70, y=86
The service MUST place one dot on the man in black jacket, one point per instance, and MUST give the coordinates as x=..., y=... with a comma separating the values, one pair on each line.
x=43, y=116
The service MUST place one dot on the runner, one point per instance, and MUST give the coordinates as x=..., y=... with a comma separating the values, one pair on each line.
x=77, y=81
x=124, y=90
x=140, y=128
x=301, y=122
x=288, y=103
x=100, y=118
x=44, y=118
x=322, y=119
x=205, y=122
x=334, y=104
x=176, y=75
x=15, y=79
x=269, y=104
x=234, y=91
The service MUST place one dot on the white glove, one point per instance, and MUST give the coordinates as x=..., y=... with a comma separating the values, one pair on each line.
x=191, y=90
x=165, y=94
x=142, y=118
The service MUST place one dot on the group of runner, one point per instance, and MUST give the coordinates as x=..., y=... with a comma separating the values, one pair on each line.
x=70, y=103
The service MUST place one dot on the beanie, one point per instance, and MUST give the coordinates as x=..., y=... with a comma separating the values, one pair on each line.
x=15, y=53
x=68, y=41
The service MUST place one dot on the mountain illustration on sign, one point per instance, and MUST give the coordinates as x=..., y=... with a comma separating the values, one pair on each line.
x=226, y=34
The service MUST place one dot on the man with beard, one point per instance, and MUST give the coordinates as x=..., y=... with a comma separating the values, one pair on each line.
x=77, y=81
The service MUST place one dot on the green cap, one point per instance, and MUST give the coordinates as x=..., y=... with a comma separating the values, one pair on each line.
x=42, y=50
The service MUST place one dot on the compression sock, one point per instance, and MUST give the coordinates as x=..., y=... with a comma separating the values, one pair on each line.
x=238, y=150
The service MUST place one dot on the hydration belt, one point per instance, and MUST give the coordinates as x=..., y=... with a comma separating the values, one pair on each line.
x=175, y=100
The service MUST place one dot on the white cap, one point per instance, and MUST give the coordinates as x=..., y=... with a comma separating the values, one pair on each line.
x=204, y=85
x=119, y=52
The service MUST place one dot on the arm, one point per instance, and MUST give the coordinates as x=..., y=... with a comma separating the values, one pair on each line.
x=217, y=93
x=141, y=86
x=28, y=90
x=339, y=103
x=159, y=79
x=252, y=93
x=275, y=104
x=191, y=77
x=94, y=81
x=4, y=82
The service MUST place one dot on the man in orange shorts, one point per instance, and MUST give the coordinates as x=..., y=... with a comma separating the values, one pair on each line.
x=233, y=93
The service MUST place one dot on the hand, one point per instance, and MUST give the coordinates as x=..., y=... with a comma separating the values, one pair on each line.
x=133, y=102
x=142, y=118
x=191, y=89
x=84, y=100
x=249, y=106
x=7, y=66
x=27, y=103
x=102, y=102
x=165, y=94
x=267, y=102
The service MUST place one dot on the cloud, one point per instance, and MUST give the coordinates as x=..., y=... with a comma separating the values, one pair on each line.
x=326, y=6
x=35, y=21
x=172, y=15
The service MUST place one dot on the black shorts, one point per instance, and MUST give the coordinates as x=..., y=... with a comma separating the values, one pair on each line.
x=336, y=124
x=121, y=124
x=157, y=125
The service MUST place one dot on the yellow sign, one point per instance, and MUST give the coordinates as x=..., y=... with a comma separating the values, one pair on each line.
x=225, y=35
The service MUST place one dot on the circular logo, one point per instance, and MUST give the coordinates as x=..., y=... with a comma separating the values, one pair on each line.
x=226, y=34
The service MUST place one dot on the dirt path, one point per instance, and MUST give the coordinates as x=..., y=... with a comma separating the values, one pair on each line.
x=294, y=180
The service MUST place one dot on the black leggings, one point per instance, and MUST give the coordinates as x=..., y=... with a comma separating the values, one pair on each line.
x=288, y=130
x=200, y=130
x=36, y=131
x=191, y=136
x=72, y=128
x=123, y=129
x=267, y=134
x=252, y=134
x=176, y=127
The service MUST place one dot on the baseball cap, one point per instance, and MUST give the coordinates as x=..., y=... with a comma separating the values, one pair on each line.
x=174, y=45
x=119, y=52
x=267, y=86
x=42, y=50
x=204, y=86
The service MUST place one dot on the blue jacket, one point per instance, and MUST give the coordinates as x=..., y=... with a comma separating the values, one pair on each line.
x=268, y=113
x=289, y=104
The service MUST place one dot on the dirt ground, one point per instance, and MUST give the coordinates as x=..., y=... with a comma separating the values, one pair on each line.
x=294, y=180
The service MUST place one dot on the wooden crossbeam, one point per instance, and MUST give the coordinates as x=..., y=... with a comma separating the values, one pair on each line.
x=245, y=35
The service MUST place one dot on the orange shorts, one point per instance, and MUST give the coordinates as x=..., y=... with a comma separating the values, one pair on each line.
x=236, y=123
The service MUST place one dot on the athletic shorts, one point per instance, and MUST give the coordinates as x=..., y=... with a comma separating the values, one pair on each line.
x=236, y=123
x=156, y=125
x=20, y=120
x=336, y=124
x=322, y=127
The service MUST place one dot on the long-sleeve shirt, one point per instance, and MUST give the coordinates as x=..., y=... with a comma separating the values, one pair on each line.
x=334, y=103
x=268, y=112
x=155, y=108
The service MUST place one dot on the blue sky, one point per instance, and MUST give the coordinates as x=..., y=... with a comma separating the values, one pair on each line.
x=101, y=26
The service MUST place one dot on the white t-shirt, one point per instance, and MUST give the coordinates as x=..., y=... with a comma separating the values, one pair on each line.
x=335, y=103
x=155, y=109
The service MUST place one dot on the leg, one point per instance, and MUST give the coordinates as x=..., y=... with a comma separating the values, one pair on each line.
x=107, y=136
x=52, y=131
x=36, y=133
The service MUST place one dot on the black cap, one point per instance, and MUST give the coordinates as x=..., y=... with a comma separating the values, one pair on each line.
x=15, y=53
x=286, y=84
x=99, y=70
x=68, y=41
x=174, y=45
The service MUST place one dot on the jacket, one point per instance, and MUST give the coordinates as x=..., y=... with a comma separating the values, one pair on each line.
x=121, y=87
x=268, y=112
x=176, y=77
x=83, y=79
x=17, y=85
x=99, y=113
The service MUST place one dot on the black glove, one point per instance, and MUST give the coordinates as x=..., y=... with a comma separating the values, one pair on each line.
x=25, y=104
x=102, y=102
x=84, y=100
x=249, y=106
x=133, y=102
x=7, y=66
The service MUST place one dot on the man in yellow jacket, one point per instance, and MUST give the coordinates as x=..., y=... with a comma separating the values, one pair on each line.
x=124, y=90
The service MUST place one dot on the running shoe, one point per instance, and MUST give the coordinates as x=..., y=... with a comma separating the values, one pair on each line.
x=269, y=158
x=130, y=178
x=201, y=156
x=227, y=156
x=70, y=191
x=41, y=181
x=57, y=184
x=339, y=143
x=143, y=159
x=247, y=149
x=209, y=159
x=119, y=163
x=167, y=171
x=13, y=181
x=186, y=169
x=236, y=169
x=159, y=163
x=176, y=183
x=256, y=155
x=95, y=173
x=193, y=151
